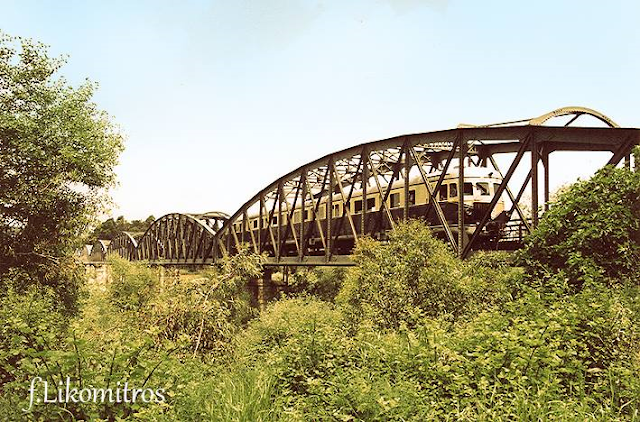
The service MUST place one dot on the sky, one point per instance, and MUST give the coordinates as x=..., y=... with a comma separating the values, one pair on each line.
x=217, y=99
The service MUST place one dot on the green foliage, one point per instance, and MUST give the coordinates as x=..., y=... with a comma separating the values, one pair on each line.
x=537, y=358
x=133, y=284
x=32, y=322
x=63, y=275
x=57, y=153
x=323, y=283
x=412, y=276
x=592, y=233
x=207, y=310
x=285, y=322
x=101, y=347
x=228, y=396
x=490, y=259
x=517, y=353
x=88, y=363
x=565, y=347
x=204, y=312
x=110, y=228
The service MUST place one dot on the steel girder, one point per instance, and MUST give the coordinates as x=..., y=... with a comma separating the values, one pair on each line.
x=99, y=250
x=124, y=245
x=379, y=165
x=180, y=238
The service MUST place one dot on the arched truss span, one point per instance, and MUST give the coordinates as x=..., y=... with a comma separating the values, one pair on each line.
x=285, y=219
x=124, y=245
x=99, y=250
x=180, y=238
x=574, y=112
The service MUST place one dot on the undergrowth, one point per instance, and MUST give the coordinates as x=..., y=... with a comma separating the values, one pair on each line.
x=410, y=333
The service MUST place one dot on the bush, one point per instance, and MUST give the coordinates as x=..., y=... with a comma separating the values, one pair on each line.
x=32, y=322
x=412, y=276
x=62, y=276
x=284, y=322
x=133, y=284
x=201, y=312
x=592, y=233
x=323, y=283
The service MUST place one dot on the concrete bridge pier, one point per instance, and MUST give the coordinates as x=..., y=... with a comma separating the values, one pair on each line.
x=262, y=289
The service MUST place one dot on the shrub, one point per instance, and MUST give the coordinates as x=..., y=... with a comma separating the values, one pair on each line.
x=203, y=313
x=32, y=322
x=537, y=357
x=412, y=276
x=323, y=283
x=592, y=233
x=61, y=276
x=286, y=321
x=584, y=345
x=133, y=284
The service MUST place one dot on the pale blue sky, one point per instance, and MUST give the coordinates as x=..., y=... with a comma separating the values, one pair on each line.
x=219, y=98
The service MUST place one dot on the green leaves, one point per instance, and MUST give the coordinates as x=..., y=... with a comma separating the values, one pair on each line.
x=591, y=234
x=57, y=154
x=415, y=276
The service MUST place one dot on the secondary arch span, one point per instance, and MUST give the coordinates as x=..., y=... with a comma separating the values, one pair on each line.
x=124, y=245
x=180, y=238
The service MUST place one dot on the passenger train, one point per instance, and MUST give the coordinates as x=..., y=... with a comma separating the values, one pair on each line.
x=480, y=185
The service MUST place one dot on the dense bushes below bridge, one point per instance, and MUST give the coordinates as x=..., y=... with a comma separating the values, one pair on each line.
x=410, y=333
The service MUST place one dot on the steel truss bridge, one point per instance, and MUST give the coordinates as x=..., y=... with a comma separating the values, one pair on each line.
x=314, y=240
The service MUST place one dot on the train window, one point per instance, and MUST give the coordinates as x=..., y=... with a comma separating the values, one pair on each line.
x=453, y=190
x=255, y=224
x=394, y=200
x=468, y=188
x=336, y=210
x=443, y=192
x=371, y=204
x=274, y=220
x=483, y=187
x=307, y=214
x=412, y=197
x=496, y=186
x=358, y=206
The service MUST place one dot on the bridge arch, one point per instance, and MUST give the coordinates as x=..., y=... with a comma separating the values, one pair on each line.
x=180, y=238
x=285, y=219
x=124, y=245
x=99, y=250
x=575, y=112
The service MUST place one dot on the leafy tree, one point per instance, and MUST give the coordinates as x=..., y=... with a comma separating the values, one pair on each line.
x=110, y=228
x=57, y=154
x=592, y=232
